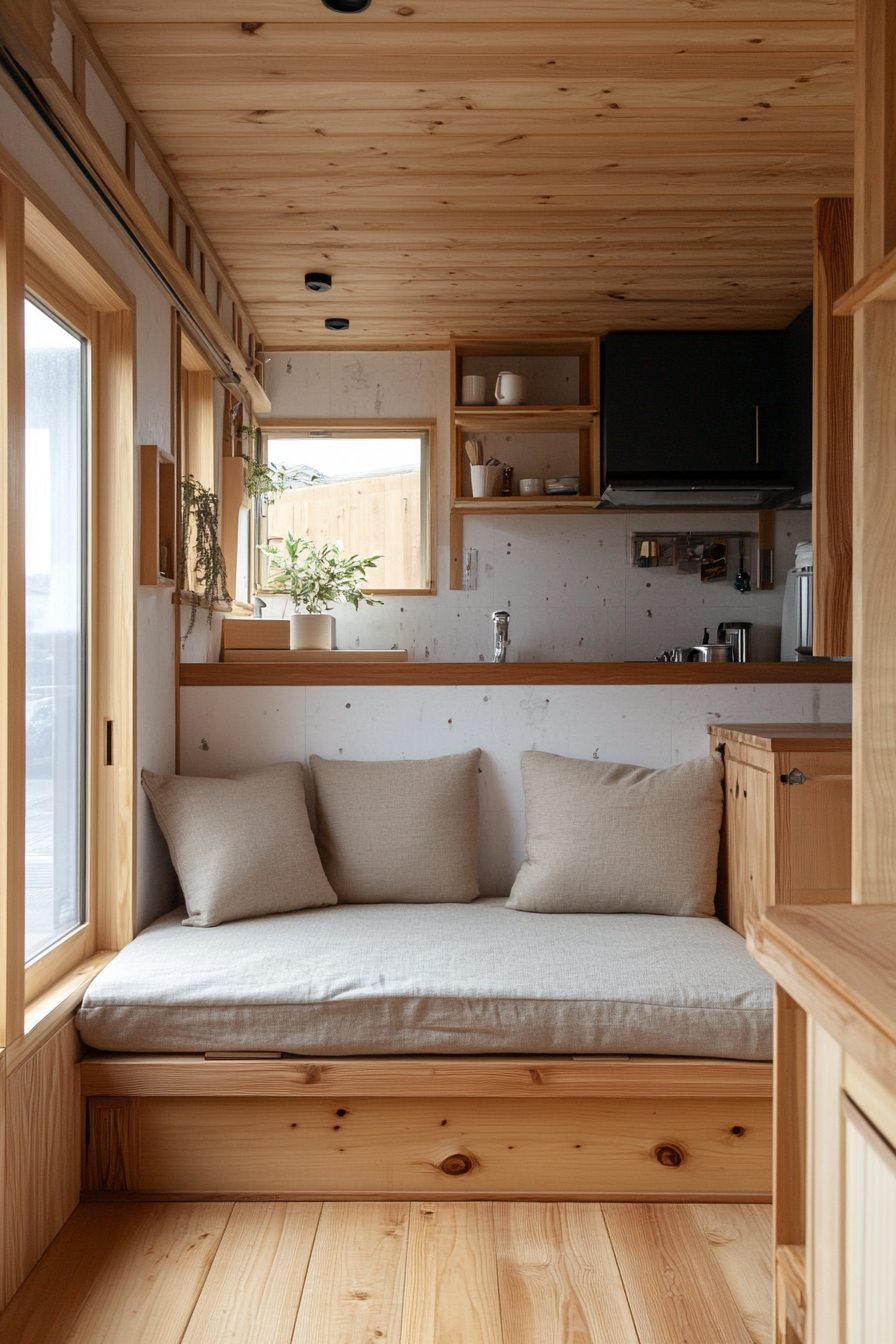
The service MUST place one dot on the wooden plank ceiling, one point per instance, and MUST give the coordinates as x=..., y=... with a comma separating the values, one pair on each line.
x=481, y=166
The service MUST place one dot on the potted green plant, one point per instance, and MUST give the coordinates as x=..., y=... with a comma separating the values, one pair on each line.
x=316, y=578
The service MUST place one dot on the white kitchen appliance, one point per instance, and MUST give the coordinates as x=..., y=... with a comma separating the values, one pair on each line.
x=797, y=618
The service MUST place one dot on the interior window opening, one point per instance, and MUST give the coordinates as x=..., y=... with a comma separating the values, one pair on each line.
x=56, y=574
x=369, y=493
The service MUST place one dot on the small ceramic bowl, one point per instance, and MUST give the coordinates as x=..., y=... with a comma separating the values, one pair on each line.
x=532, y=485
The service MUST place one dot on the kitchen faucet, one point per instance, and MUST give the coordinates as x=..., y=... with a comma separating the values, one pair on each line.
x=502, y=630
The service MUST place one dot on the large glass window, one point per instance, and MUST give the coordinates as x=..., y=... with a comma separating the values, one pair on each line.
x=370, y=492
x=55, y=629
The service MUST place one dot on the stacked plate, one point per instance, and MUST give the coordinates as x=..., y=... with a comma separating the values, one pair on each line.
x=562, y=485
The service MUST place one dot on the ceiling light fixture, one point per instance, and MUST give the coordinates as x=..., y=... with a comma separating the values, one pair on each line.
x=336, y=323
x=347, y=6
x=319, y=281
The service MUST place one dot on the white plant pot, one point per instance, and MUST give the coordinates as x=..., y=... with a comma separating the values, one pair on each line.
x=312, y=632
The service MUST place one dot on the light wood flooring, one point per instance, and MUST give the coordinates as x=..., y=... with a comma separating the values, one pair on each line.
x=375, y=1273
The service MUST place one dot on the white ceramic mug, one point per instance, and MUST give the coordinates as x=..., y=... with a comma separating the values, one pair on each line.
x=484, y=480
x=510, y=389
x=532, y=485
x=472, y=390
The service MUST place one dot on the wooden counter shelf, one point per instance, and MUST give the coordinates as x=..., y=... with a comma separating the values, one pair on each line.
x=515, y=674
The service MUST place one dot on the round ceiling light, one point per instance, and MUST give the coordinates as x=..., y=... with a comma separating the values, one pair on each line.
x=347, y=6
x=336, y=323
x=319, y=281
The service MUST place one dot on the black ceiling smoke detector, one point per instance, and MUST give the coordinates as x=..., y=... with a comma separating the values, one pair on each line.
x=319, y=281
x=347, y=6
x=336, y=323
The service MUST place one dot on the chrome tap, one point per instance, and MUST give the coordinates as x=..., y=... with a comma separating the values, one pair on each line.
x=502, y=631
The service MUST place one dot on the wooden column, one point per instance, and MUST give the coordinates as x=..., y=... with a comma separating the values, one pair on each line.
x=874, y=482
x=12, y=613
x=832, y=456
x=113, y=688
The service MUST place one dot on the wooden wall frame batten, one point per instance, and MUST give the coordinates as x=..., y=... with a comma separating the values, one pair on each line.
x=12, y=610
x=832, y=465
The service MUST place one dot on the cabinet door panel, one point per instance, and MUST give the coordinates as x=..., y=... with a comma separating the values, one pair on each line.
x=815, y=823
x=747, y=835
x=685, y=401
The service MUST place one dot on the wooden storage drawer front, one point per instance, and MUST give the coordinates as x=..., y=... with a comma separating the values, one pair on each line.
x=440, y=1147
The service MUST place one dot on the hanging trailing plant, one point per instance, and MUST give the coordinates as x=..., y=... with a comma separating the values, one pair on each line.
x=265, y=478
x=201, y=549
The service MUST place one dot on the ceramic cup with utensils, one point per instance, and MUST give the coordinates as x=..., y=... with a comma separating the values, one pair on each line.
x=510, y=389
x=485, y=480
x=472, y=390
x=532, y=485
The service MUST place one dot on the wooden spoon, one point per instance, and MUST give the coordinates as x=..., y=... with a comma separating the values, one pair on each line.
x=474, y=453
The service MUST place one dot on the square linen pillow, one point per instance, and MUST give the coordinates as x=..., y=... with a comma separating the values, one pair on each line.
x=242, y=845
x=607, y=838
x=399, y=831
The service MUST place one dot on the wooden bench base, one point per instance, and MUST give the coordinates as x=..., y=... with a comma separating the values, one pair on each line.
x=436, y=1128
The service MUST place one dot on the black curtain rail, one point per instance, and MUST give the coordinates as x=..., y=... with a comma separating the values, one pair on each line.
x=28, y=89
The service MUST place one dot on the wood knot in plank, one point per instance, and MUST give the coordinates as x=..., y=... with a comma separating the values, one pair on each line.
x=458, y=1164
x=668, y=1154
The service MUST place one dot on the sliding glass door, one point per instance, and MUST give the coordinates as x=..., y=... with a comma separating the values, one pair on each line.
x=56, y=628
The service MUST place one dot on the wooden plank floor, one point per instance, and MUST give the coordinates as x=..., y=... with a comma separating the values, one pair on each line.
x=400, y=1273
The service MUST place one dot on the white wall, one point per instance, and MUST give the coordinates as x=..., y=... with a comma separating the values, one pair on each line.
x=154, y=617
x=568, y=582
x=224, y=729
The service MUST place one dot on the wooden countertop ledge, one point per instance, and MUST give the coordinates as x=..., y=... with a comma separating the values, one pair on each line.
x=513, y=674
x=839, y=962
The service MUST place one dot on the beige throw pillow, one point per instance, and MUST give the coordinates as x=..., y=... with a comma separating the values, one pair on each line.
x=242, y=846
x=618, y=838
x=402, y=831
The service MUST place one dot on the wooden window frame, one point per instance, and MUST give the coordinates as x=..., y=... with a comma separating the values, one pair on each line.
x=41, y=254
x=377, y=429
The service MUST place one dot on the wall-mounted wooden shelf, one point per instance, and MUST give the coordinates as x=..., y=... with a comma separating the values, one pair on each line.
x=558, y=367
x=515, y=674
x=158, y=517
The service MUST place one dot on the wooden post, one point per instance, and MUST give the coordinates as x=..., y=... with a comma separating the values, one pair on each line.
x=874, y=482
x=832, y=456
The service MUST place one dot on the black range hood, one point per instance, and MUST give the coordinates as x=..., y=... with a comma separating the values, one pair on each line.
x=694, y=419
x=696, y=490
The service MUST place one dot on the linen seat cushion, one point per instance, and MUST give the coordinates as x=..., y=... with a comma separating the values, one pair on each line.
x=603, y=837
x=242, y=845
x=403, y=831
x=450, y=979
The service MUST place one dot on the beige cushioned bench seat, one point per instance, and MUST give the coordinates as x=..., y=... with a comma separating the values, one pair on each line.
x=435, y=979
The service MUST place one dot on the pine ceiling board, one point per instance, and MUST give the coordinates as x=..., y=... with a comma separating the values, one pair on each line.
x=831, y=85
x=513, y=44
x=209, y=154
x=183, y=127
x=504, y=79
x=469, y=12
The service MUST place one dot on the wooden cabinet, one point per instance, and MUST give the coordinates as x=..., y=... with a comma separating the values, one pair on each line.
x=709, y=404
x=788, y=792
x=835, y=1121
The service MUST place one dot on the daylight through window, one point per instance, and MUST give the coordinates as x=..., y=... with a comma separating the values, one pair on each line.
x=55, y=618
x=369, y=493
